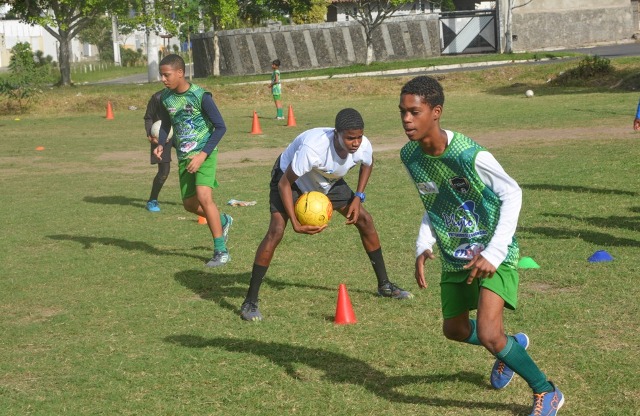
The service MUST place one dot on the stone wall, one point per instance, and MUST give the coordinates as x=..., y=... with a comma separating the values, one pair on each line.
x=540, y=30
x=300, y=47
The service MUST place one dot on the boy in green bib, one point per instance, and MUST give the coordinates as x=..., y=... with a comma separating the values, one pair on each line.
x=472, y=207
x=198, y=127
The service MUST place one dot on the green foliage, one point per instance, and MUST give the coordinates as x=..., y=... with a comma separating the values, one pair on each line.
x=590, y=67
x=29, y=72
x=309, y=12
x=99, y=34
x=129, y=57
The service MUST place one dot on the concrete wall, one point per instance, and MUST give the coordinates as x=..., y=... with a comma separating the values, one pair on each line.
x=601, y=22
x=250, y=51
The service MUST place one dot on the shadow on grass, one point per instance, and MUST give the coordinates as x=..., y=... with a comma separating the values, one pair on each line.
x=222, y=287
x=600, y=239
x=577, y=189
x=88, y=242
x=629, y=223
x=215, y=287
x=341, y=368
x=121, y=200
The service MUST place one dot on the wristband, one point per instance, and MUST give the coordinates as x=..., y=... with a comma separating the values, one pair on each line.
x=361, y=195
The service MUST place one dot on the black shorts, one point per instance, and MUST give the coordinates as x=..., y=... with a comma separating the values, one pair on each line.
x=340, y=194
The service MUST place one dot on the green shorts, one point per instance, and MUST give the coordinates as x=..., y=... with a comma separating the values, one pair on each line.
x=277, y=97
x=458, y=297
x=205, y=176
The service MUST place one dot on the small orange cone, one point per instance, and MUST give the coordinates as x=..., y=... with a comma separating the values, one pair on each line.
x=344, y=311
x=255, y=127
x=109, y=111
x=291, y=120
x=40, y=148
x=202, y=220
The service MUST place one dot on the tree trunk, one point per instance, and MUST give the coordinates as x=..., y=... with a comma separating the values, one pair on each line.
x=64, y=58
x=216, y=55
x=369, y=53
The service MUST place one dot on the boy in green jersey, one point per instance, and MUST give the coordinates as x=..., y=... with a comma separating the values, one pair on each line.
x=276, y=88
x=198, y=127
x=472, y=209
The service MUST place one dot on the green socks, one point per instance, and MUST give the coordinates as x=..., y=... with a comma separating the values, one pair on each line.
x=516, y=357
x=473, y=337
x=279, y=112
x=219, y=245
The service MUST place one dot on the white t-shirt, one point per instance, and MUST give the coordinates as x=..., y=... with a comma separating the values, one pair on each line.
x=506, y=188
x=315, y=160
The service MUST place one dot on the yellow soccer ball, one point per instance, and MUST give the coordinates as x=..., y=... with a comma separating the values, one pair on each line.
x=313, y=208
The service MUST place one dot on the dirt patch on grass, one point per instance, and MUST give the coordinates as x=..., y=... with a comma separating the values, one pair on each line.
x=260, y=156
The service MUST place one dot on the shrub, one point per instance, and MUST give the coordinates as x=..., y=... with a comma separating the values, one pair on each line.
x=28, y=73
x=588, y=68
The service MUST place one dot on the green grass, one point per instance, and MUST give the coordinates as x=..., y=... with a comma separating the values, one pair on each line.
x=107, y=309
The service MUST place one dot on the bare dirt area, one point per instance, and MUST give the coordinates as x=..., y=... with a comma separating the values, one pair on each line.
x=258, y=156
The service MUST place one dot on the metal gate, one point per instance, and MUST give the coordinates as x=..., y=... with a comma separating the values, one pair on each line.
x=468, y=32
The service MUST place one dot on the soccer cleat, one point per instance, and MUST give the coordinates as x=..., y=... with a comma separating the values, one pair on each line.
x=220, y=258
x=152, y=206
x=249, y=311
x=390, y=290
x=548, y=403
x=225, y=229
x=501, y=374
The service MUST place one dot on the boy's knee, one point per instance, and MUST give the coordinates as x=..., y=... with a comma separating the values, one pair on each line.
x=492, y=339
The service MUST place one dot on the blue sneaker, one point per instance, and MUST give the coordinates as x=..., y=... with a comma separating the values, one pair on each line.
x=152, y=206
x=501, y=375
x=249, y=311
x=390, y=290
x=225, y=229
x=220, y=258
x=547, y=404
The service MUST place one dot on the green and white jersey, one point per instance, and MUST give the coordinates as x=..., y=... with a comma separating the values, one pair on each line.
x=461, y=210
x=191, y=130
x=276, y=88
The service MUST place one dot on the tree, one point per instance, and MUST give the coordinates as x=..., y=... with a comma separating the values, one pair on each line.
x=99, y=34
x=63, y=19
x=370, y=14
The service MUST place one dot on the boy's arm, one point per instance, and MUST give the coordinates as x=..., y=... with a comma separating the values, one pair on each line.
x=210, y=110
x=506, y=188
x=363, y=178
x=424, y=249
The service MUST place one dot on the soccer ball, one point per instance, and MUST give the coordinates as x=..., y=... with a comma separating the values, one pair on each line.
x=529, y=93
x=155, y=130
x=313, y=208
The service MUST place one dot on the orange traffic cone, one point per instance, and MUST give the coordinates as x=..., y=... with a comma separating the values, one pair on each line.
x=109, y=111
x=255, y=127
x=202, y=220
x=344, y=311
x=291, y=120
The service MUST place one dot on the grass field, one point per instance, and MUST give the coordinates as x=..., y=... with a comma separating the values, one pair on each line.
x=107, y=309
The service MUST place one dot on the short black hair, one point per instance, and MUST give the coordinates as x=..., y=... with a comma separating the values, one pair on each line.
x=174, y=61
x=349, y=119
x=426, y=87
x=276, y=62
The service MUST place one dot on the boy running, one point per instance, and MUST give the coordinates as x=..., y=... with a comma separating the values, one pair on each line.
x=472, y=209
x=198, y=127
